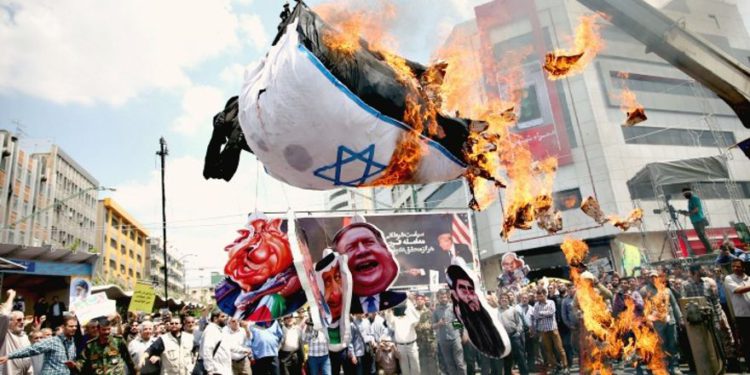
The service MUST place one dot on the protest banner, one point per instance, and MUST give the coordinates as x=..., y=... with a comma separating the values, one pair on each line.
x=143, y=298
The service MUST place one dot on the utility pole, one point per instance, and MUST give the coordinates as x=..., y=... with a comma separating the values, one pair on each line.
x=163, y=152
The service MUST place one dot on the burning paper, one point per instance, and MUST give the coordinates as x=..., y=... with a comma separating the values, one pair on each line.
x=547, y=217
x=634, y=111
x=587, y=44
x=635, y=218
x=590, y=207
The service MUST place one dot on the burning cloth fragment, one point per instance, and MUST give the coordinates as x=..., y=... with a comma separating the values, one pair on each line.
x=635, y=218
x=587, y=44
x=547, y=217
x=590, y=207
x=634, y=111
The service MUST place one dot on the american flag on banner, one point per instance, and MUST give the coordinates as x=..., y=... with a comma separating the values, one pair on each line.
x=460, y=232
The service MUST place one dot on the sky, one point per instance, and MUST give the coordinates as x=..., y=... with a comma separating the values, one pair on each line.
x=105, y=79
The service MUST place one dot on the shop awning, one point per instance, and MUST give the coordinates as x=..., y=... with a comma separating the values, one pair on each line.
x=8, y=265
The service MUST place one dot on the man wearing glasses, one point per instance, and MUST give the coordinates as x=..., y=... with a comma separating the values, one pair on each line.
x=59, y=352
x=174, y=350
x=12, y=338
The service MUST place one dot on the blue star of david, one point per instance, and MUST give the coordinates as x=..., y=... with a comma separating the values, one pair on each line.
x=345, y=156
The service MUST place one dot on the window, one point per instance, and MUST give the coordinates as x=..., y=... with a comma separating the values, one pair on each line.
x=130, y=272
x=138, y=275
x=123, y=250
x=122, y=269
x=113, y=243
x=442, y=193
x=663, y=85
x=112, y=264
x=567, y=199
x=339, y=206
x=130, y=252
x=644, y=135
x=138, y=257
x=338, y=194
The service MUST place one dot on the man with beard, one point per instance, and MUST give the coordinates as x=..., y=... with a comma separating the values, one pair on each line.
x=372, y=265
x=107, y=355
x=14, y=338
x=514, y=326
x=477, y=321
x=173, y=349
x=138, y=346
x=451, y=354
x=217, y=358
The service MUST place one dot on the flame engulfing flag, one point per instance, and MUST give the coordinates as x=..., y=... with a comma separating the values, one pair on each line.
x=587, y=44
x=630, y=336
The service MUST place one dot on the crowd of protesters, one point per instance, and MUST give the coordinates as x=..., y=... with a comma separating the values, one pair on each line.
x=423, y=336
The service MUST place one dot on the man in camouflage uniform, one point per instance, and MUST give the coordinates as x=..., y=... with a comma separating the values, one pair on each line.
x=426, y=337
x=105, y=354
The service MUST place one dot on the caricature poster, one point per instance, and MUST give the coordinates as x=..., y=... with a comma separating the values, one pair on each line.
x=480, y=321
x=335, y=282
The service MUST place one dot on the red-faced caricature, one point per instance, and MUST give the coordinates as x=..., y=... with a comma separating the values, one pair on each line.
x=261, y=251
x=372, y=265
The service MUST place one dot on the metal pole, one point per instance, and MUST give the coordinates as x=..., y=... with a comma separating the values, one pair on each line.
x=163, y=152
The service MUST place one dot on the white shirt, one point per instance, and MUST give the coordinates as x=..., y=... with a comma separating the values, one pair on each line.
x=236, y=341
x=291, y=339
x=403, y=327
x=137, y=348
x=740, y=302
x=221, y=362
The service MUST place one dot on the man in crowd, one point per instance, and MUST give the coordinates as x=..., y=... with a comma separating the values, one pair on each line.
x=265, y=340
x=697, y=218
x=59, y=352
x=355, y=364
x=236, y=337
x=291, y=354
x=570, y=316
x=514, y=326
x=362, y=324
x=403, y=321
x=448, y=336
x=137, y=347
x=217, y=358
x=13, y=339
x=107, y=354
x=55, y=313
x=544, y=324
x=738, y=289
x=697, y=286
x=174, y=350
x=37, y=361
x=665, y=318
x=318, y=362
x=426, y=337
x=530, y=340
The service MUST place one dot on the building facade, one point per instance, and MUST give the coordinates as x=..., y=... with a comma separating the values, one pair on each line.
x=124, y=244
x=175, y=270
x=51, y=199
x=578, y=121
x=18, y=189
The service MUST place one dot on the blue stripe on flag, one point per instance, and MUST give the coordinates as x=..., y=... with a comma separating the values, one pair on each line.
x=389, y=120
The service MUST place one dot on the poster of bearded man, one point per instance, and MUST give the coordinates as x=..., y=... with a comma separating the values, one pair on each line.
x=335, y=282
x=485, y=332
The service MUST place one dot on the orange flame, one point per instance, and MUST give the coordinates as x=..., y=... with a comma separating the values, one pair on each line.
x=587, y=44
x=634, y=111
x=454, y=85
x=605, y=341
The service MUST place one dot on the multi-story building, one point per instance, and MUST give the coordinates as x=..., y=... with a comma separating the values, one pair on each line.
x=124, y=246
x=578, y=121
x=201, y=294
x=18, y=187
x=349, y=199
x=51, y=199
x=175, y=270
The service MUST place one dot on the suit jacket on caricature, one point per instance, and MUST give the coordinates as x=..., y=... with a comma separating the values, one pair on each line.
x=464, y=252
x=387, y=300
